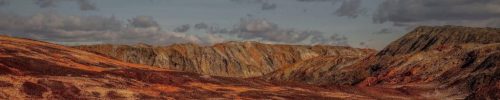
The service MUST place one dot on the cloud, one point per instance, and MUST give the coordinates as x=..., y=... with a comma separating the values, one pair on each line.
x=334, y=39
x=479, y=13
x=199, y=26
x=266, y=31
x=48, y=26
x=268, y=6
x=45, y=3
x=143, y=22
x=60, y=28
x=265, y=4
x=85, y=5
x=212, y=39
x=386, y=31
x=3, y=2
x=248, y=1
x=318, y=0
x=182, y=28
x=349, y=8
x=210, y=28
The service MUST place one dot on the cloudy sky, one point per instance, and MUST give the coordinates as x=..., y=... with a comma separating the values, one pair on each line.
x=357, y=23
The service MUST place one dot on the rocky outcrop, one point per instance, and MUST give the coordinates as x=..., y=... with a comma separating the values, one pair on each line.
x=231, y=59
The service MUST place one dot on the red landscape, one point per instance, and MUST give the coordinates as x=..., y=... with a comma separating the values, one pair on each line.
x=440, y=62
x=249, y=49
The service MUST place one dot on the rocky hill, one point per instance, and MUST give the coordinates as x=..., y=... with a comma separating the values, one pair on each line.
x=231, y=59
x=450, y=61
x=459, y=59
x=32, y=69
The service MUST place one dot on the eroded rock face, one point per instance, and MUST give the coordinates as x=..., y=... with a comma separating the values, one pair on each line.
x=231, y=59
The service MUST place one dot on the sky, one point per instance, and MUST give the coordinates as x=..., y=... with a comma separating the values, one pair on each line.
x=356, y=23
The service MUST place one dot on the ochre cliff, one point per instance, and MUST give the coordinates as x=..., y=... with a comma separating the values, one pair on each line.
x=232, y=59
x=450, y=61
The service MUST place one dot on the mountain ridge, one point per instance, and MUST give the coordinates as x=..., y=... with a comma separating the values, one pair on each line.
x=232, y=59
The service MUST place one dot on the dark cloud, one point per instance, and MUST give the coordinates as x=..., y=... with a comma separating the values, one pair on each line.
x=54, y=27
x=362, y=43
x=45, y=3
x=334, y=39
x=199, y=26
x=3, y=2
x=349, y=8
x=215, y=29
x=266, y=31
x=439, y=12
x=248, y=1
x=318, y=0
x=268, y=6
x=182, y=28
x=84, y=5
x=386, y=31
x=332, y=1
x=143, y=22
x=210, y=28
x=265, y=4
x=61, y=28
